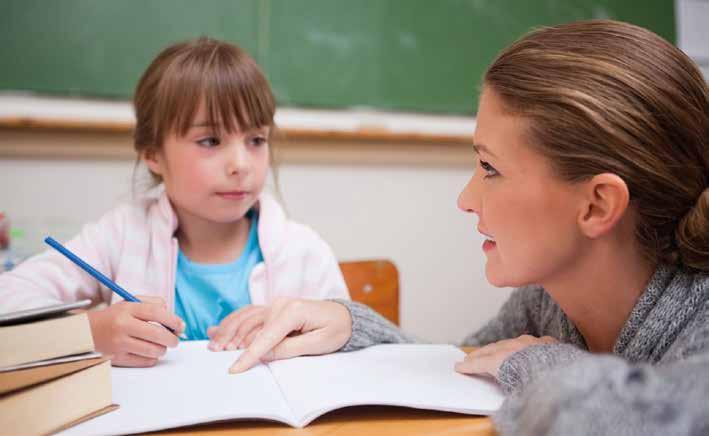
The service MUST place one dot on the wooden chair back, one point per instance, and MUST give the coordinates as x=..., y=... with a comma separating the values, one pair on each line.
x=374, y=283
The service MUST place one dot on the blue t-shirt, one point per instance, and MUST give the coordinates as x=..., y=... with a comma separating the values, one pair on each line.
x=206, y=293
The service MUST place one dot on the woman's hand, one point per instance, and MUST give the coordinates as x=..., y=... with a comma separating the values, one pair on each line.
x=127, y=331
x=238, y=329
x=487, y=360
x=297, y=327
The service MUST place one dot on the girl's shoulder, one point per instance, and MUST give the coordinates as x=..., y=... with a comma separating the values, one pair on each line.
x=280, y=234
x=137, y=216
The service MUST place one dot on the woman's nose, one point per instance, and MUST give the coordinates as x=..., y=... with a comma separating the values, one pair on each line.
x=469, y=197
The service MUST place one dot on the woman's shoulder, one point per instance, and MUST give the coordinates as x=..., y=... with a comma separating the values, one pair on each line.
x=686, y=299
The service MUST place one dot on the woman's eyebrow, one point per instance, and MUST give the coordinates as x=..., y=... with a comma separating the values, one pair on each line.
x=480, y=147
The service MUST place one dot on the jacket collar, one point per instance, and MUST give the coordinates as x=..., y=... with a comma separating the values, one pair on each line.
x=272, y=222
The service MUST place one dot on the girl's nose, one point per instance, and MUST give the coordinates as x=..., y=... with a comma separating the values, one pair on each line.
x=238, y=161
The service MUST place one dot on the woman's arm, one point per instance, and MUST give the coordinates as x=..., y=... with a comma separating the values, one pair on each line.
x=370, y=328
x=604, y=394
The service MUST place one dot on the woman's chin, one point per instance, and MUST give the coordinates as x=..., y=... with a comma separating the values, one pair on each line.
x=500, y=278
x=495, y=277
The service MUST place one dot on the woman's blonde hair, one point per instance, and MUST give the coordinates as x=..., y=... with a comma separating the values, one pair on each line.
x=606, y=96
x=226, y=79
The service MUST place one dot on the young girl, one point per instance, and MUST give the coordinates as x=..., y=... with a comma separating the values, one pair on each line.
x=212, y=249
x=592, y=189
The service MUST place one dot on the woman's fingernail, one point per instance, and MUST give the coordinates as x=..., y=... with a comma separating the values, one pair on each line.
x=231, y=347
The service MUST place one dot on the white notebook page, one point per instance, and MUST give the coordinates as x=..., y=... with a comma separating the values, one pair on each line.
x=419, y=376
x=190, y=385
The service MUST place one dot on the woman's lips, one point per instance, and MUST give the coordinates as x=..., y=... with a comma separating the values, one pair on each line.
x=489, y=245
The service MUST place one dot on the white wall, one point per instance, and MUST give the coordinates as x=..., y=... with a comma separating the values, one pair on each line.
x=693, y=31
x=405, y=214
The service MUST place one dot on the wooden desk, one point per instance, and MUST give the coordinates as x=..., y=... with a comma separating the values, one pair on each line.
x=373, y=420
x=357, y=421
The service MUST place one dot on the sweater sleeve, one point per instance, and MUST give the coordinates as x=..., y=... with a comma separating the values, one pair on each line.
x=604, y=394
x=50, y=278
x=519, y=315
x=370, y=328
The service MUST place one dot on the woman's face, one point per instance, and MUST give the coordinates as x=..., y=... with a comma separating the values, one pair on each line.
x=528, y=215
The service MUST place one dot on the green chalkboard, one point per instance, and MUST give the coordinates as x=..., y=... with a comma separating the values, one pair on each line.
x=412, y=55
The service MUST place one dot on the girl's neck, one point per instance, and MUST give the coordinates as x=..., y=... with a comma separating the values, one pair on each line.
x=599, y=292
x=207, y=242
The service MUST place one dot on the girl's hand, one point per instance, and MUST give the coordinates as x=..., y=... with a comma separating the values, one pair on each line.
x=124, y=331
x=487, y=360
x=297, y=327
x=238, y=329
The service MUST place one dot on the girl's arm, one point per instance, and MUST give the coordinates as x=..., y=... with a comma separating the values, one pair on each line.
x=604, y=394
x=50, y=278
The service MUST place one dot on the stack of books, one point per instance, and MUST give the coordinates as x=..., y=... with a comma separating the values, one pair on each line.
x=50, y=376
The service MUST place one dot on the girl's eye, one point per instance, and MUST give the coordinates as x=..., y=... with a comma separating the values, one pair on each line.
x=490, y=171
x=209, y=142
x=258, y=141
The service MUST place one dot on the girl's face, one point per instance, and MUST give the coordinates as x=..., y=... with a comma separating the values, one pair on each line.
x=213, y=178
x=528, y=215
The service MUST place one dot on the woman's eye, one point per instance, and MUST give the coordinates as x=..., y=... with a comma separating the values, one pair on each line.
x=490, y=171
x=209, y=142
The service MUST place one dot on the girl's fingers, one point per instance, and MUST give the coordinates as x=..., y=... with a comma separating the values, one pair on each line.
x=157, y=313
x=142, y=348
x=249, y=325
x=226, y=331
x=132, y=360
x=150, y=332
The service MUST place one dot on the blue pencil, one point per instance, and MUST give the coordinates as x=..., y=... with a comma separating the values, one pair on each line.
x=110, y=284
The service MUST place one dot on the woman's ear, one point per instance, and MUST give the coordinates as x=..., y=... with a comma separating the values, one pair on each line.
x=607, y=200
x=153, y=160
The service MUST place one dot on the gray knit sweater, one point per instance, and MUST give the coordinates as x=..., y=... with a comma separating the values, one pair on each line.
x=656, y=381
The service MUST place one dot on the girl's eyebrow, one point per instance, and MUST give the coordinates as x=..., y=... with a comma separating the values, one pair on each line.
x=480, y=147
x=202, y=124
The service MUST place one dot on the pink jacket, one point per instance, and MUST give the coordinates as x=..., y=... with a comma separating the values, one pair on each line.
x=134, y=245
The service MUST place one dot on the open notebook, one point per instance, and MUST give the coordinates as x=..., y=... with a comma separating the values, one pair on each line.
x=191, y=385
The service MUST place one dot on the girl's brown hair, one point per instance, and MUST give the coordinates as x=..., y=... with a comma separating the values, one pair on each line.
x=606, y=96
x=220, y=75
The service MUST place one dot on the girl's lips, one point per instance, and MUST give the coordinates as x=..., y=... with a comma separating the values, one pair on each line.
x=233, y=195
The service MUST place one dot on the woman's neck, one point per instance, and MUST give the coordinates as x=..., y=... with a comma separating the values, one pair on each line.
x=207, y=242
x=600, y=291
